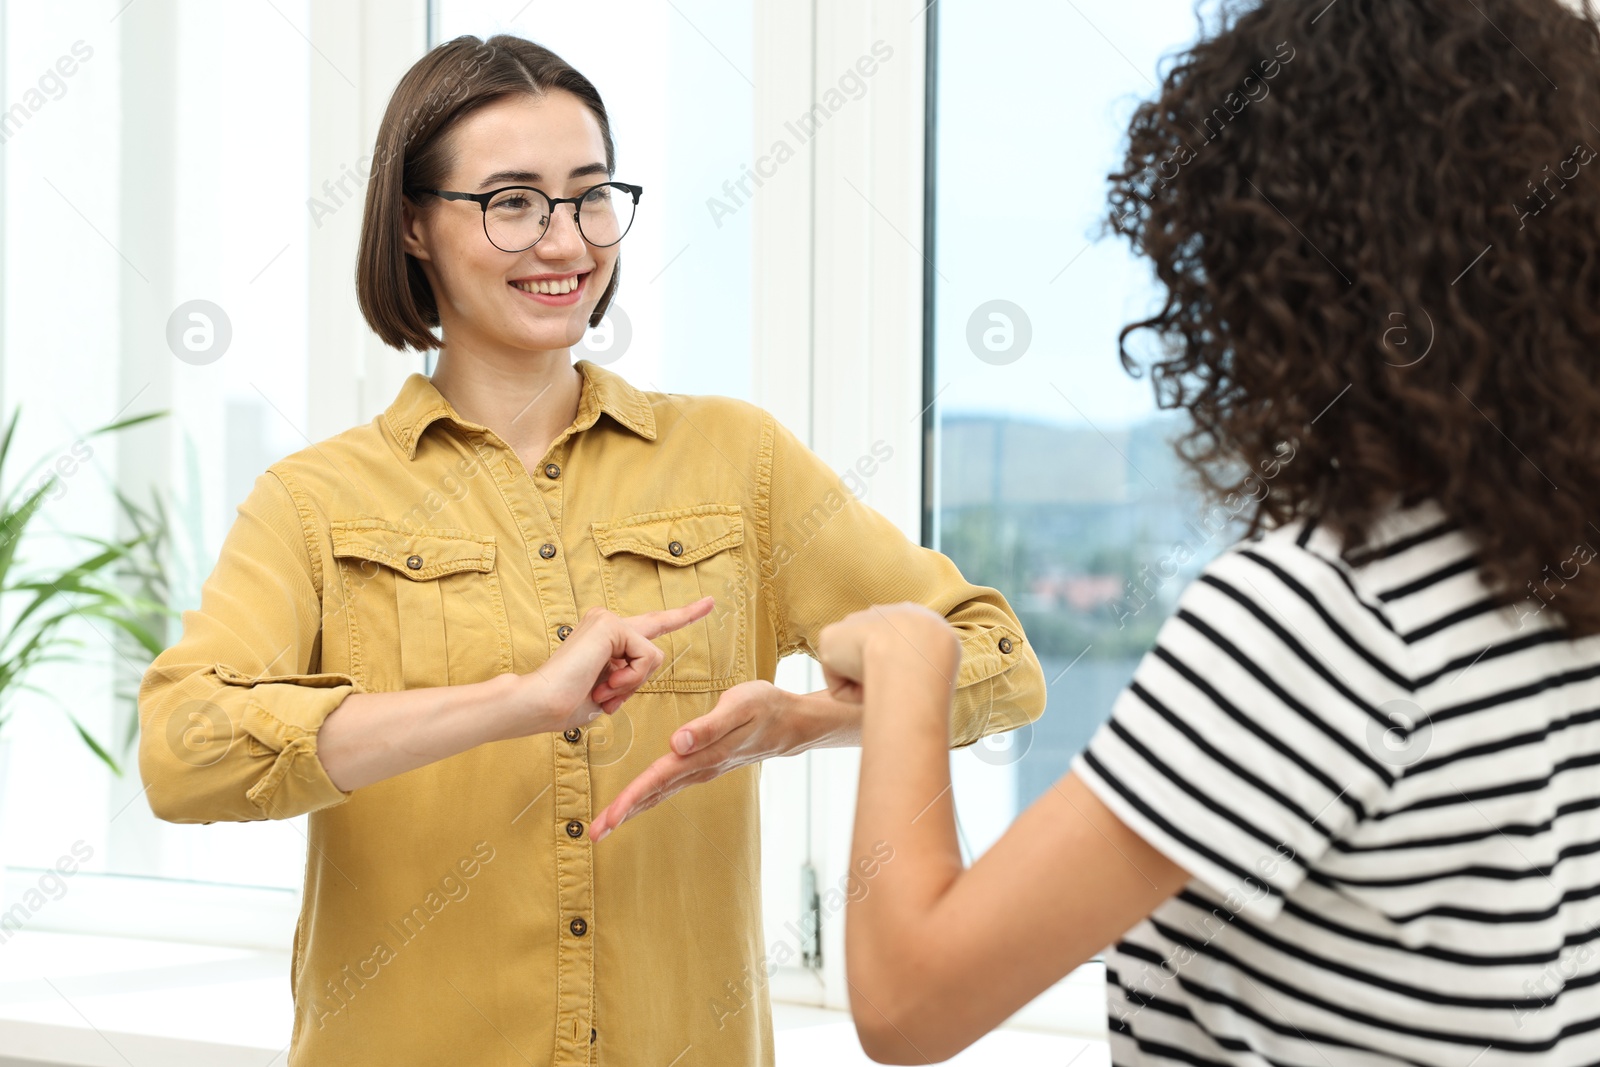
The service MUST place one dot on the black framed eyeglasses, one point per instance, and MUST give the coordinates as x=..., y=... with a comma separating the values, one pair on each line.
x=517, y=216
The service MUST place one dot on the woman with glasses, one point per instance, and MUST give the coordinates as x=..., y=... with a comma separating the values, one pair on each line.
x=422, y=632
x=1346, y=811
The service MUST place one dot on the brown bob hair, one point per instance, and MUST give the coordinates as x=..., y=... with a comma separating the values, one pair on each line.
x=414, y=151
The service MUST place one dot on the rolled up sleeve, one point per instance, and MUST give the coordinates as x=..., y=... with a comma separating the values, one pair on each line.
x=827, y=555
x=229, y=714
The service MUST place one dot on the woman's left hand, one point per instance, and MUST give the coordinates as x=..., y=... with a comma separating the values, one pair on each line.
x=752, y=721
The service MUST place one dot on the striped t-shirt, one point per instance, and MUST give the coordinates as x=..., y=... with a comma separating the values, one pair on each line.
x=1386, y=792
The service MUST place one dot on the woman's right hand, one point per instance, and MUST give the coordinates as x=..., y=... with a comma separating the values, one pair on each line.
x=600, y=664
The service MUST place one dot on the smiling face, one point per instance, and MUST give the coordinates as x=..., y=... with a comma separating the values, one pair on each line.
x=539, y=299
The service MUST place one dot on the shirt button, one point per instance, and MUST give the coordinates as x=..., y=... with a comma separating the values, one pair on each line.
x=547, y=551
x=676, y=548
x=573, y=734
x=563, y=631
x=414, y=562
x=578, y=927
x=574, y=828
x=1005, y=644
x=552, y=470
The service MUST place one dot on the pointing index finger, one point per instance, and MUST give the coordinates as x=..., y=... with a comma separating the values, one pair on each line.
x=653, y=624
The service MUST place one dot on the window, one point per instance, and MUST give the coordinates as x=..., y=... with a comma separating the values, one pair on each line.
x=156, y=201
x=1055, y=481
x=181, y=216
x=1051, y=476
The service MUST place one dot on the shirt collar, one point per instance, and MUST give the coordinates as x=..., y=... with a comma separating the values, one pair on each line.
x=420, y=404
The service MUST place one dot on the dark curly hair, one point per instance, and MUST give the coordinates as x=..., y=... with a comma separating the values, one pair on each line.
x=1379, y=233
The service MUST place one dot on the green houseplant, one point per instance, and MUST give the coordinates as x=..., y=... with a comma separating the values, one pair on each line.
x=38, y=603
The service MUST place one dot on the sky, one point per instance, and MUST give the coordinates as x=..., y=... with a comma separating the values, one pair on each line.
x=1029, y=125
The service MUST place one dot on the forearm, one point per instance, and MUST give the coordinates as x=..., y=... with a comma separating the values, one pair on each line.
x=905, y=801
x=817, y=720
x=373, y=736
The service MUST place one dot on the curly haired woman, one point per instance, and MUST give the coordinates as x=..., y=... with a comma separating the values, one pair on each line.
x=1346, y=810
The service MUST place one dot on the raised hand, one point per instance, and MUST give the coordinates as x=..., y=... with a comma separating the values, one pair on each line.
x=601, y=663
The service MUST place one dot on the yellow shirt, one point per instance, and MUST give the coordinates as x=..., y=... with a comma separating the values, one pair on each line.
x=458, y=913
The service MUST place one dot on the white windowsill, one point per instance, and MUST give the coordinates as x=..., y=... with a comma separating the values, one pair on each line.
x=98, y=1001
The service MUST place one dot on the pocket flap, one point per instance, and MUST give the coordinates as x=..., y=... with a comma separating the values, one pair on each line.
x=678, y=537
x=234, y=676
x=418, y=556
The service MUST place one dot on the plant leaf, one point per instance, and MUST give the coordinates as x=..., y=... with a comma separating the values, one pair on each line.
x=89, y=739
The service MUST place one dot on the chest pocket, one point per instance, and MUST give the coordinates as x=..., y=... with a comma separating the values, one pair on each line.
x=424, y=608
x=665, y=559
